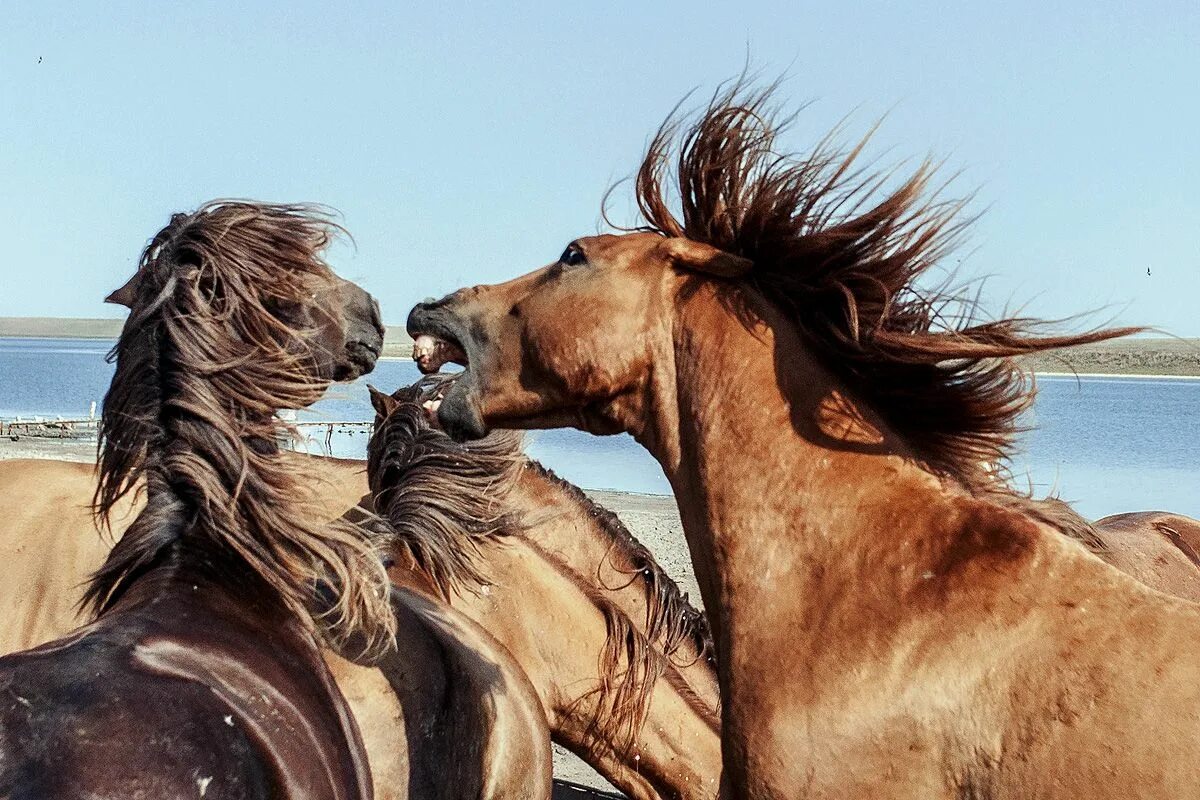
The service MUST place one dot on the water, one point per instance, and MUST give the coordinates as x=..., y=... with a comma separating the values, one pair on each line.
x=1107, y=444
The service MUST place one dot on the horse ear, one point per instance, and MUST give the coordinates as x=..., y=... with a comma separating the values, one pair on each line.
x=126, y=294
x=383, y=403
x=698, y=257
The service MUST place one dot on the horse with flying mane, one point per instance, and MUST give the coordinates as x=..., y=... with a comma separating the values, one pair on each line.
x=888, y=622
x=619, y=659
x=202, y=672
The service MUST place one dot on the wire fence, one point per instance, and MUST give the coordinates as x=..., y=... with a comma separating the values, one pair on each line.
x=311, y=433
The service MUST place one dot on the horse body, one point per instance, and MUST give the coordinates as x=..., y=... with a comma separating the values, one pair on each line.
x=938, y=646
x=473, y=725
x=1160, y=549
x=537, y=604
x=202, y=667
x=669, y=749
x=227, y=702
x=49, y=544
x=590, y=540
x=885, y=627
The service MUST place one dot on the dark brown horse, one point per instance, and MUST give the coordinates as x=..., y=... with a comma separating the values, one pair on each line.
x=886, y=626
x=202, y=672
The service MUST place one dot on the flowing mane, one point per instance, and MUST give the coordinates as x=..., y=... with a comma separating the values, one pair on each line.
x=202, y=365
x=840, y=255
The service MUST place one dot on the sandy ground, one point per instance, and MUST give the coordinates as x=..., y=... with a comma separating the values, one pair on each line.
x=653, y=519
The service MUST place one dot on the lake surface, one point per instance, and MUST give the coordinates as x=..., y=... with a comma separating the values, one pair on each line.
x=1106, y=444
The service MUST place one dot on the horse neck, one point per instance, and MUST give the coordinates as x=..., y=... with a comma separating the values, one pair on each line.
x=214, y=601
x=342, y=483
x=531, y=592
x=785, y=486
x=564, y=524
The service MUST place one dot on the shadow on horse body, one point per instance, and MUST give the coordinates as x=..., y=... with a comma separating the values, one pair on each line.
x=885, y=627
x=202, y=674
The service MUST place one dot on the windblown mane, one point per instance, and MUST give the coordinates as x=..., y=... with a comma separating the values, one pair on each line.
x=1052, y=511
x=202, y=365
x=442, y=497
x=840, y=255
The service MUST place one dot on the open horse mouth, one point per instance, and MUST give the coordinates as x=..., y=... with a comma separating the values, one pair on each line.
x=432, y=353
x=437, y=338
x=440, y=337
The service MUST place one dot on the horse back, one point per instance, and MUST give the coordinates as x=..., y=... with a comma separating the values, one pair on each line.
x=166, y=702
x=1158, y=548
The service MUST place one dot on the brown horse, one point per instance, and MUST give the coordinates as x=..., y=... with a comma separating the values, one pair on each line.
x=570, y=567
x=884, y=626
x=1156, y=547
x=618, y=657
x=202, y=671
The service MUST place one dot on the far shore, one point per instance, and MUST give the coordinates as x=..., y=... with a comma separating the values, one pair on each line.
x=1141, y=356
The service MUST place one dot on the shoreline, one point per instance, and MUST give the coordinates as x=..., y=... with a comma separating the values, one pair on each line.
x=1131, y=376
x=1155, y=358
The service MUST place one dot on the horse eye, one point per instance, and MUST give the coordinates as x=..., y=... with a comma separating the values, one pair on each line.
x=572, y=257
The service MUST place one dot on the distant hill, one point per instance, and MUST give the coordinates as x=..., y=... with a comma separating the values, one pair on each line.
x=1134, y=356
x=397, y=343
x=60, y=327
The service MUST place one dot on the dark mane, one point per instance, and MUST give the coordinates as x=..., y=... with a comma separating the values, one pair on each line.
x=442, y=497
x=671, y=619
x=202, y=365
x=840, y=254
x=1053, y=512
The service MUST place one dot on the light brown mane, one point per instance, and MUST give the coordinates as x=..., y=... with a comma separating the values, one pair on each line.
x=202, y=365
x=840, y=255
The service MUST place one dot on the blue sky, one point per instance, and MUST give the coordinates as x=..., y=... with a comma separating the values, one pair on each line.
x=467, y=144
